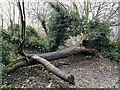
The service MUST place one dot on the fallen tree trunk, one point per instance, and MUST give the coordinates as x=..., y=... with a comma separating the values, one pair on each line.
x=46, y=64
x=50, y=56
x=17, y=64
x=33, y=59
x=53, y=69
x=66, y=52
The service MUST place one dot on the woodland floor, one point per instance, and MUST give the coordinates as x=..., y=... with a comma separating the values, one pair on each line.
x=89, y=72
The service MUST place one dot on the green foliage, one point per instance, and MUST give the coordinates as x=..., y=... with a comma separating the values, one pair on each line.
x=58, y=26
x=76, y=9
x=8, y=45
x=8, y=54
x=6, y=51
x=117, y=43
x=2, y=66
x=14, y=38
x=16, y=28
x=111, y=52
x=98, y=33
x=63, y=24
x=79, y=25
x=4, y=86
x=34, y=43
x=30, y=31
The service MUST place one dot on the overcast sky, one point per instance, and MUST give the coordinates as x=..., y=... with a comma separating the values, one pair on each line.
x=5, y=2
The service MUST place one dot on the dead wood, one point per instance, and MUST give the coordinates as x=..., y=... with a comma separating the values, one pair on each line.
x=67, y=52
x=49, y=56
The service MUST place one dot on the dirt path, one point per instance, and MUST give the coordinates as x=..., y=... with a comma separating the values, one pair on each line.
x=88, y=71
x=91, y=73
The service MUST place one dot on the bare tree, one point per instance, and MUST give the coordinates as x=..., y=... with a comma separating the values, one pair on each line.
x=39, y=13
x=119, y=21
x=105, y=11
x=10, y=14
x=1, y=21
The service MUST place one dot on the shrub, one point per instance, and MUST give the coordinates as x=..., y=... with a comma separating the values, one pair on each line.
x=6, y=51
x=63, y=24
x=30, y=31
x=60, y=26
x=16, y=28
x=111, y=52
x=57, y=26
x=118, y=44
x=99, y=32
x=34, y=43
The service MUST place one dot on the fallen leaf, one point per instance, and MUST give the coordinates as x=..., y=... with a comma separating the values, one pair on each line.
x=49, y=85
x=27, y=80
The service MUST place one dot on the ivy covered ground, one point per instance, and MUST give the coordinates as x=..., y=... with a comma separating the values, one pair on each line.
x=89, y=72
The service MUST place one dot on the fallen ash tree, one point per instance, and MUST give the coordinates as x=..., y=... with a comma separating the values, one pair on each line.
x=31, y=59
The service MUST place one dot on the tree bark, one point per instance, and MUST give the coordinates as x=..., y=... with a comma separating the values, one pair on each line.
x=33, y=59
x=53, y=69
x=66, y=52
x=45, y=63
x=119, y=20
x=50, y=56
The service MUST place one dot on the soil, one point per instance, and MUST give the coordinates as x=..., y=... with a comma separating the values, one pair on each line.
x=89, y=72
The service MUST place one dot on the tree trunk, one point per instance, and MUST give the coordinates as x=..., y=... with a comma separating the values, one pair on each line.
x=67, y=52
x=49, y=56
x=31, y=58
x=53, y=69
x=119, y=20
x=46, y=64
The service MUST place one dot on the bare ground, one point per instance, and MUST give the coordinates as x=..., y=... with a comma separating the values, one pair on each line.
x=89, y=72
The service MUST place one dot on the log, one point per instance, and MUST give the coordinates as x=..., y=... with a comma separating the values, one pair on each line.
x=50, y=56
x=66, y=52
x=53, y=69
x=33, y=59
x=14, y=65
x=46, y=64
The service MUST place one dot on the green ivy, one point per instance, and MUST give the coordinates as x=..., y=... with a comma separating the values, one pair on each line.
x=98, y=32
x=64, y=23
x=5, y=86
x=34, y=43
x=6, y=52
x=59, y=26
